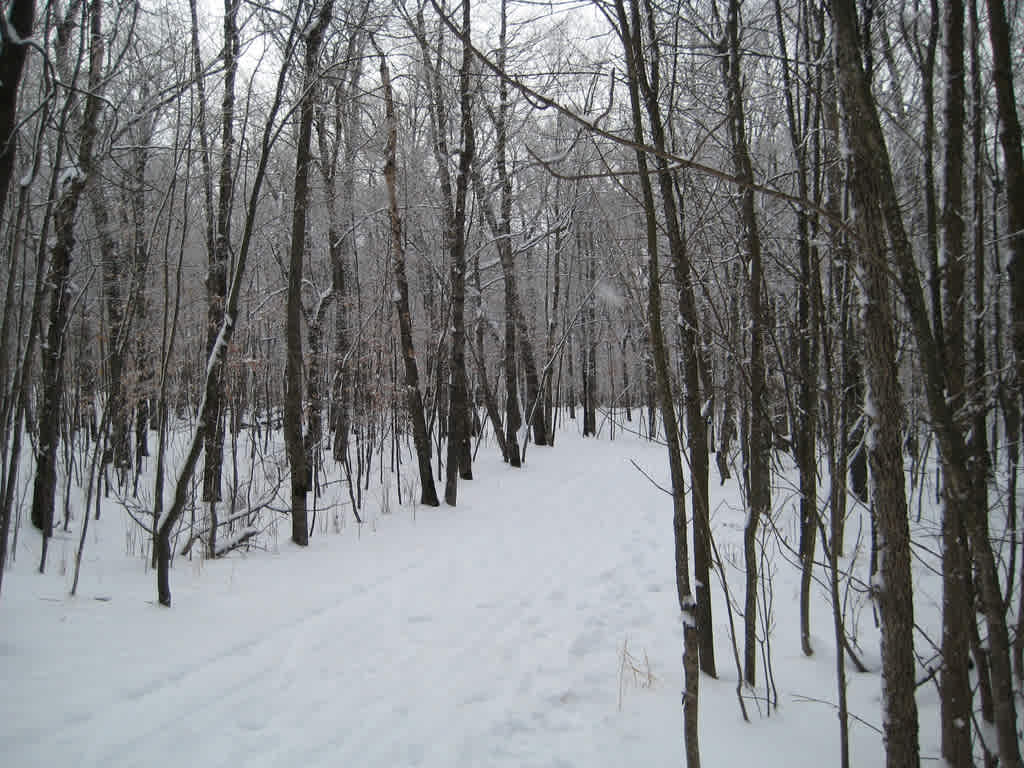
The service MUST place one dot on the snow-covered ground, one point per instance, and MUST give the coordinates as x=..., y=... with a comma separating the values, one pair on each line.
x=491, y=634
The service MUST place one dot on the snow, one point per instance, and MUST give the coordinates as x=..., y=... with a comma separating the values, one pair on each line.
x=491, y=634
x=70, y=174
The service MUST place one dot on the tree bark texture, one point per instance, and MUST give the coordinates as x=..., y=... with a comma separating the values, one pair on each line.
x=459, y=450
x=219, y=257
x=298, y=460
x=893, y=584
x=954, y=680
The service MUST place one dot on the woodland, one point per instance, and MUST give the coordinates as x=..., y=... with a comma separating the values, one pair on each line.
x=261, y=257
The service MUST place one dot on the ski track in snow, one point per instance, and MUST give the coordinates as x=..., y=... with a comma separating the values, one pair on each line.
x=487, y=634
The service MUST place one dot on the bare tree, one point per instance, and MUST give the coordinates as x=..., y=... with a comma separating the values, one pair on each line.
x=298, y=457
x=759, y=433
x=169, y=519
x=630, y=31
x=72, y=186
x=414, y=398
x=459, y=454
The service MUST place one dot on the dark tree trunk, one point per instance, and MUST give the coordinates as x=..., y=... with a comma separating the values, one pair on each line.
x=58, y=279
x=954, y=680
x=341, y=232
x=414, y=398
x=298, y=458
x=140, y=265
x=117, y=324
x=727, y=432
x=459, y=450
x=589, y=349
x=631, y=36
x=807, y=315
x=648, y=77
x=168, y=521
x=219, y=258
x=759, y=437
x=479, y=361
x=894, y=590
x=552, y=325
x=20, y=18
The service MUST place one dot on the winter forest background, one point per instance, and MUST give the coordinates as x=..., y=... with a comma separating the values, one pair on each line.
x=300, y=267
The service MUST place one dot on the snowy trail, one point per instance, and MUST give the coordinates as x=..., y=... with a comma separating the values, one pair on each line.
x=485, y=635
x=466, y=638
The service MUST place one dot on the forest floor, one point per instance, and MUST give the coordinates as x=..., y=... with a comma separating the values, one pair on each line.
x=536, y=624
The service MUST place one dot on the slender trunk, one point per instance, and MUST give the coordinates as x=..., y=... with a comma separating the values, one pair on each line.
x=20, y=18
x=117, y=322
x=215, y=360
x=219, y=260
x=414, y=398
x=759, y=436
x=552, y=325
x=58, y=279
x=298, y=458
x=140, y=303
x=480, y=362
x=928, y=147
x=954, y=680
x=807, y=411
x=696, y=428
x=893, y=585
x=459, y=451
x=631, y=40
x=588, y=369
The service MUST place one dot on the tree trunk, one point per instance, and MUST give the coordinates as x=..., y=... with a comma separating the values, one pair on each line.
x=140, y=265
x=632, y=43
x=167, y=522
x=219, y=258
x=298, y=458
x=341, y=232
x=58, y=279
x=807, y=316
x=954, y=680
x=696, y=427
x=589, y=349
x=479, y=361
x=20, y=18
x=893, y=585
x=117, y=323
x=759, y=437
x=414, y=398
x=459, y=451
